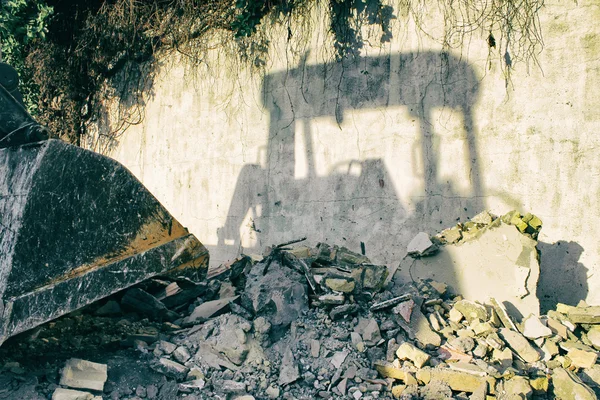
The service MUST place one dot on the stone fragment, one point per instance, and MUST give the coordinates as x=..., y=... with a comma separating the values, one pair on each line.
x=483, y=218
x=315, y=348
x=418, y=328
x=448, y=353
x=550, y=349
x=397, y=390
x=412, y=353
x=593, y=335
x=533, y=328
x=340, y=284
x=451, y=235
x=582, y=358
x=166, y=347
x=272, y=392
x=436, y=390
x=368, y=329
x=420, y=246
x=482, y=328
x=468, y=368
x=539, y=384
x=567, y=386
x=332, y=299
x=181, y=354
x=454, y=315
x=171, y=369
x=520, y=345
x=340, y=312
x=433, y=321
x=196, y=384
x=404, y=309
x=471, y=310
x=462, y=344
x=233, y=387
x=503, y=357
x=502, y=314
x=371, y=277
x=276, y=293
x=288, y=373
x=342, y=386
x=338, y=358
x=580, y=315
x=439, y=287
x=515, y=388
x=500, y=262
x=389, y=370
x=68, y=394
x=557, y=328
x=84, y=374
x=222, y=338
x=207, y=310
x=457, y=380
x=481, y=350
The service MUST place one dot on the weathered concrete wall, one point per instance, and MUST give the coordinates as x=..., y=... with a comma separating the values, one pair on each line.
x=405, y=140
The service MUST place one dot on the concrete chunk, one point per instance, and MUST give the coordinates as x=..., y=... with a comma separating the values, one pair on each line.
x=500, y=262
x=533, y=328
x=567, y=386
x=457, y=380
x=84, y=374
x=412, y=353
x=68, y=394
x=172, y=369
x=420, y=245
x=520, y=345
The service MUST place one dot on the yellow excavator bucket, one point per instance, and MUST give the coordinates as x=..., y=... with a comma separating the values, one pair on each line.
x=75, y=226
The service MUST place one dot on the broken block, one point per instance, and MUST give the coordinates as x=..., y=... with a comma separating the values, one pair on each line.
x=84, y=374
x=499, y=262
x=409, y=351
x=68, y=394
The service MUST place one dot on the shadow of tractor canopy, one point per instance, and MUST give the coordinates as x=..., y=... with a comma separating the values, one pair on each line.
x=357, y=201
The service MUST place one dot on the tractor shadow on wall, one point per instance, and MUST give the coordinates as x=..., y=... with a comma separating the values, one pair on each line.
x=356, y=201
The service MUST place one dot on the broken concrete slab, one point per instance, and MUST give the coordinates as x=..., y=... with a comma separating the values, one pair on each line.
x=280, y=295
x=289, y=372
x=457, y=380
x=520, y=345
x=368, y=329
x=580, y=315
x=226, y=335
x=500, y=262
x=82, y=374
x=418, y=328
x=420, y=245
x=568, y=386
x=471, y=310
x=533, y=328
x=171, y=369
x=412, y=353
x=69, y=394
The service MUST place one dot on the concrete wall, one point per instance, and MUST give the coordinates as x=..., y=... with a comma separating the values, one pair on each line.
x=405, y=140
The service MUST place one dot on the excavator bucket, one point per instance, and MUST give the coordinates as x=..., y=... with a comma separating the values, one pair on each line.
x=75, y=227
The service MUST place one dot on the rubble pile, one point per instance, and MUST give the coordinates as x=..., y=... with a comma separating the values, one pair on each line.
x=319, y=322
